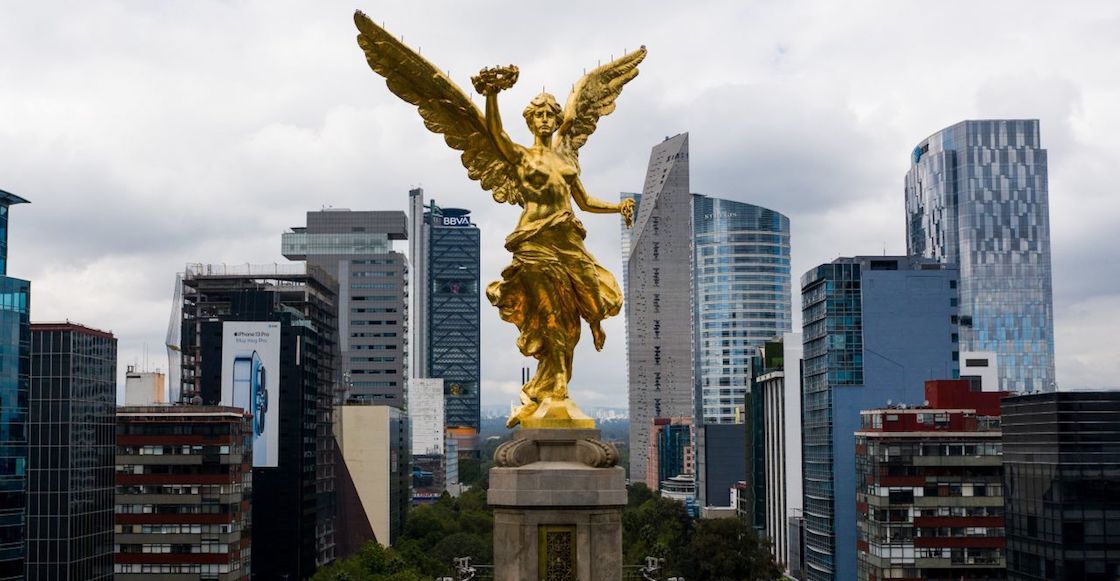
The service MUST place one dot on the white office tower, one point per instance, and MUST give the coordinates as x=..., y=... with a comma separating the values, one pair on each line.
x=781, y=397
x=425, y=413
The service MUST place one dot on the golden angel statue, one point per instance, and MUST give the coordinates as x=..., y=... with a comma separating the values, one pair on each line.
x=553, y=282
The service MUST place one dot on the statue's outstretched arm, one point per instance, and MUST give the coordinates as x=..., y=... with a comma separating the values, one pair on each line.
x=589, y=204
x=597, y=206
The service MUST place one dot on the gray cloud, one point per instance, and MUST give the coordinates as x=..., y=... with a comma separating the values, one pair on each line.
x=148, y=135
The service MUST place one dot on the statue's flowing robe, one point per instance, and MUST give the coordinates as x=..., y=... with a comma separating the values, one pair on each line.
x=552, y=283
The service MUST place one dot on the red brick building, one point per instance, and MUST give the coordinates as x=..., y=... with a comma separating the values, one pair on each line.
x=929, y=495
x=183, y=489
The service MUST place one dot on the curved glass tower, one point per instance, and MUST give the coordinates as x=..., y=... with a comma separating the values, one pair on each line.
x=977, y=196
x=741, y=297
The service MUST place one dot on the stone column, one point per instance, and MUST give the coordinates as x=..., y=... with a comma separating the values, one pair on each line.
x=557, y=496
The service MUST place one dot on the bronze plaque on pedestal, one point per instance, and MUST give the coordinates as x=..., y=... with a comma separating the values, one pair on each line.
x=557, y=552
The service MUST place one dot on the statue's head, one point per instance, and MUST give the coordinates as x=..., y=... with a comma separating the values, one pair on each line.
x=542, y=115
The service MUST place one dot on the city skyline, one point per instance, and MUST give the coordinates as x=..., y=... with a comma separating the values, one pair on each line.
x=212, y=150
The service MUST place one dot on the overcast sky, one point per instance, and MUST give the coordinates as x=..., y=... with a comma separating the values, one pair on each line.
x=152, y=134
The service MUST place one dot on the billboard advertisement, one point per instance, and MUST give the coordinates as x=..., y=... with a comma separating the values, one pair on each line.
x=251, y=381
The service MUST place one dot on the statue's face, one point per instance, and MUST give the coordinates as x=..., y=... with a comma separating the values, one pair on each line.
x=542, y=122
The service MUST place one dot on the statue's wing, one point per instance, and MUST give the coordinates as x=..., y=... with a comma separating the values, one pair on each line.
x=446, y=109
x=594, y=96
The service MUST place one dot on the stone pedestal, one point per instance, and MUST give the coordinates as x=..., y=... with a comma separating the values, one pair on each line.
x=557, y=496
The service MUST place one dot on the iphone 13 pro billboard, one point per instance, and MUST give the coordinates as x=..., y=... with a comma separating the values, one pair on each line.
x=251, y=381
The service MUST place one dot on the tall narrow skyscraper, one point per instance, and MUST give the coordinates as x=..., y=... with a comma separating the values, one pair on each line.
x=658, y=313
x=446, y=340
x=15, y=368
x=708, y=282
x=70, y=464
x=356, y=248
x=977, y=196
x=874, y=328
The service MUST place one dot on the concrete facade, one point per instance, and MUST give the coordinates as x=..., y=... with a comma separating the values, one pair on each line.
x=372, y=498
x=172, y=457
x=982, y=366
x=557, y=491
x=659, y=311
x=144, y=387
x=929, y=494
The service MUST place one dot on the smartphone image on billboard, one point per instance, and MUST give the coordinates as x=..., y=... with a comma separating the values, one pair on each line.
x=250, y=385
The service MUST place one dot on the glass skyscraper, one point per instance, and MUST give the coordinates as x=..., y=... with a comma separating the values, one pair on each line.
x=874, y=329
x=1061, y=459
x=15, y=369
x=977, y=196
x=446, y=257
x=741, y=298
x=71, y=453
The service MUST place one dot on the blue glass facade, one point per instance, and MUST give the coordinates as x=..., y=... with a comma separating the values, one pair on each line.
x=741, y=298
x=874, y=330
x=977, y=195
x=453, y=338
x=15, y=379
x=673, y=442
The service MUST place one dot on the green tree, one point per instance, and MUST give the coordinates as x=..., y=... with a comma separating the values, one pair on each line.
x=659, y=527
x=637, y=494
x=727, y=550
x=470, y=471
x=372, y=563
x=479, y=549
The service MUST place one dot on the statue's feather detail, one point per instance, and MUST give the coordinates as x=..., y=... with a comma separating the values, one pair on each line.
x=593, y=97
x=445, y=108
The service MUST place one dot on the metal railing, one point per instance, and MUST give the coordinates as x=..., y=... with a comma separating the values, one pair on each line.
x=466, y=571
x=651, y=571
x=196, y=269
